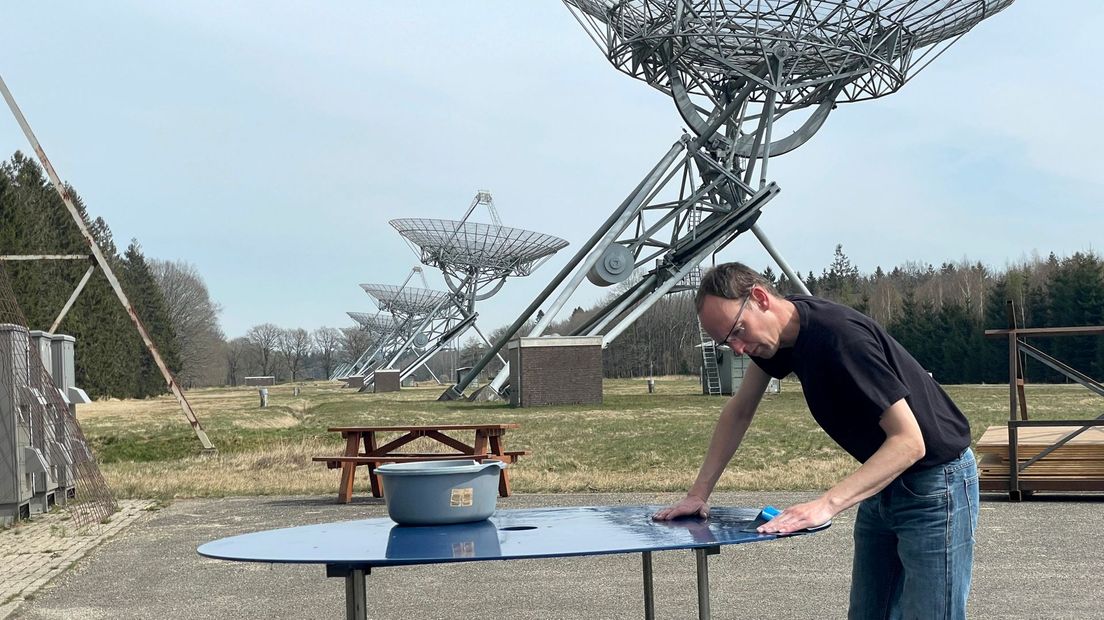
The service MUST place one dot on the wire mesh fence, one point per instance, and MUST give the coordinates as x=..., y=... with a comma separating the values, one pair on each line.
x=45, y=459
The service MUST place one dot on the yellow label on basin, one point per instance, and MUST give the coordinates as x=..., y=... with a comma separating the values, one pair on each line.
x=461, y=498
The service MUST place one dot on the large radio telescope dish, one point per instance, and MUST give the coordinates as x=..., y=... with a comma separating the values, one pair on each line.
x=733, y=68
x=490, y=249
x=405, y=300
x=800, y=44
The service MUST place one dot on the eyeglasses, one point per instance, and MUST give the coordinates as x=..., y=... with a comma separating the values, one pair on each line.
x=736, y=327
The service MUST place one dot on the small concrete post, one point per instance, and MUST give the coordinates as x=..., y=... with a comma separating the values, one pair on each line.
x=295, y=391
x=651, y=385
x=264, y=397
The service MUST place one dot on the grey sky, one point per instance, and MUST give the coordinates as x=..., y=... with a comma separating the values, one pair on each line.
x=269, y=143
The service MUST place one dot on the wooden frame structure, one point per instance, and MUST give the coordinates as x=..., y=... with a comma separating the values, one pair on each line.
x=1016, y=485
x=99, y=260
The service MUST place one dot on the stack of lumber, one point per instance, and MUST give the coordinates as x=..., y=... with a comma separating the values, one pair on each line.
x=1079, y=463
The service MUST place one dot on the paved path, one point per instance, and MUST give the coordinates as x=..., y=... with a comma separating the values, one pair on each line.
x=34, y=552
x=1037, y=559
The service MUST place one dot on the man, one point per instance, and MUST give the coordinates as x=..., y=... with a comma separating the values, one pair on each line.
x=914, y=531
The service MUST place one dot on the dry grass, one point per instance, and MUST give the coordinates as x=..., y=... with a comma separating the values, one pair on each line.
x=633, y=441
x=283, y=469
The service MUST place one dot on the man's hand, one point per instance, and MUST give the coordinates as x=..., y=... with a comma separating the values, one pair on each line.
x=689, y=506
x=799, y=517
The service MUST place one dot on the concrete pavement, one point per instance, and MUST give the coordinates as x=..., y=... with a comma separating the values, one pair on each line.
x=1036, y=559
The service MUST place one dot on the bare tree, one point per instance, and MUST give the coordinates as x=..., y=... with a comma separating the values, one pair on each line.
x=194, y=318
x=234, y=353
x=471, y=350
x=354, y=341
x=885, y=297
x=263, y=339
x=294, y=345
x=327, y=342
x=969, y=284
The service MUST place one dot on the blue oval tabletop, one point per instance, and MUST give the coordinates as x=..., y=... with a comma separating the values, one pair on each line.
x=508, y=534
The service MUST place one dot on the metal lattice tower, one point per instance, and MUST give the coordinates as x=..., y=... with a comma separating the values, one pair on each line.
x=739, y=72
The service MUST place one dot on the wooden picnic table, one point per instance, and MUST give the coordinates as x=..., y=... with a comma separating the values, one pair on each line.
x=362, y=447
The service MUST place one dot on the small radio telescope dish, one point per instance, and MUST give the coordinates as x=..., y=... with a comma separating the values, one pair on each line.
x=374, y=323
x=417, y=315
x=405, y=301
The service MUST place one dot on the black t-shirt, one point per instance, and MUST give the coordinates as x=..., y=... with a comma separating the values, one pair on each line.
x=851, y=371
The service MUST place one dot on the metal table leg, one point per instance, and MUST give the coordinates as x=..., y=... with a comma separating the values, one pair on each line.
x=701, y=559
x=356, y=606
x=649, y=593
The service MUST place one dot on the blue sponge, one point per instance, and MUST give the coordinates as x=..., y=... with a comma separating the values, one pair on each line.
x=770, y=512
x=766, y=514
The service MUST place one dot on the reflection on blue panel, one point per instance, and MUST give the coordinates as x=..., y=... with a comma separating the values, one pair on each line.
x=509, y=534
x=474, y=540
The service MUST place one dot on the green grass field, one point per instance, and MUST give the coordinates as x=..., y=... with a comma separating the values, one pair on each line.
x=633, y=441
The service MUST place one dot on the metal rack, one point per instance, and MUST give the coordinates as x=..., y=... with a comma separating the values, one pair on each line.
x=1016, y=484
x=45, y=460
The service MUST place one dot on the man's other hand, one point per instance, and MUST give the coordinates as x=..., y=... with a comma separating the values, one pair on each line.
x=688, y=506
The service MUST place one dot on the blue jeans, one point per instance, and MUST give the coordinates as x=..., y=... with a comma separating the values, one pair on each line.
x=914, y=545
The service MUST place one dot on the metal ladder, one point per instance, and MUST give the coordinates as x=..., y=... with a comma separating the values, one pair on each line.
x=711, y=376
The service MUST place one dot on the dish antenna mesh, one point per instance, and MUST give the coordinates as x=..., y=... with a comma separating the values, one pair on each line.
x=803, y=44
x=471, y=246
x=377, y=322
x=402, y=300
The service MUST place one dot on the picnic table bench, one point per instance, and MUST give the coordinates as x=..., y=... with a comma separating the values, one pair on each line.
x=362, y=448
